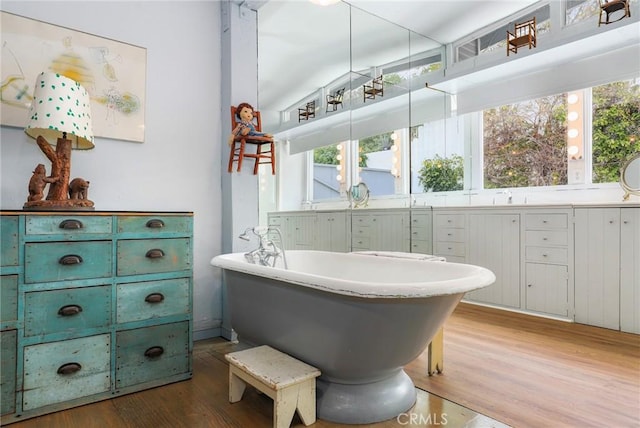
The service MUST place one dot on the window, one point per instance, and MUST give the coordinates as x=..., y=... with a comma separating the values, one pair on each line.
x=545, y=142
x=329, y=171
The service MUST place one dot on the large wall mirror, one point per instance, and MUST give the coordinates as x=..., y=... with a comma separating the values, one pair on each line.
x=308, y=54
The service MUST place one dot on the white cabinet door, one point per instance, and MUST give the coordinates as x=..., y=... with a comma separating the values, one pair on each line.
x=331, y=232
x=494, y=243
x=547, y=288
x=630, y=270
x=597, y=267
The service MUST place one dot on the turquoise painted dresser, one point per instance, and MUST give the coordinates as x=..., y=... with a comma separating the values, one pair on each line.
x=94, y=304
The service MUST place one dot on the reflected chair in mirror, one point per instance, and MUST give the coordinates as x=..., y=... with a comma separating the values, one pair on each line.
x=613, y=11
x=523, y=34
x=265, y=146
x=335, y=100
x=376, y=87
x=307, y=112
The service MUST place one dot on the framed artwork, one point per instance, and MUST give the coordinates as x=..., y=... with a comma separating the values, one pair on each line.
x=114, y=74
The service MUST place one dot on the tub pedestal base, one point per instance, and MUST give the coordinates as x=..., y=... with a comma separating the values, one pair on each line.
x=367, y=402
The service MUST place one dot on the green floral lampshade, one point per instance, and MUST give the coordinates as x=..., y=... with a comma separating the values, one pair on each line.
x=60, y=105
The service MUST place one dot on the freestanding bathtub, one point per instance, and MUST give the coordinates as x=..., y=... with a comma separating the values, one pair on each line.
x=359, y=318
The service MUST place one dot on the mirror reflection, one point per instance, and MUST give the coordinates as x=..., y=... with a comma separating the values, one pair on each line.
x=630, y=177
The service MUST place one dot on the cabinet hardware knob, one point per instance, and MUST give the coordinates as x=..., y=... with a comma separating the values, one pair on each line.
x=70, y=259
x=71, y=224
x=69, y=368
x=529, y=285
x=155, y=253
x=610, y=221
x=69, y=310
x=154, y=298
x=154, y=352
x=544, y=255
x=155, y=223
x=544, y=239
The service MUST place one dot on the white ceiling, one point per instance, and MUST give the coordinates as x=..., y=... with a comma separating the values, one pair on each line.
x=303, y=46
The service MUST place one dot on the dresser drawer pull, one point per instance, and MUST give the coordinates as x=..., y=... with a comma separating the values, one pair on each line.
x=155, y=253
x=154, y=298
x=69, y=368
x=70, y=310
x=70, y=259
x=154, y=352
x=71, y=224
x=155, y=223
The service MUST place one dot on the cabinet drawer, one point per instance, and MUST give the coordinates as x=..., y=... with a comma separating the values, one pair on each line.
x=275, y=221
x=420, y=233
x=59, y=371
x=361, y=231
x=546, y=221
x=138, y=256
x=547, y=255
x=8, y=343
x=58, y=261
x=67, y=310
x=67, y=225
x=151, y=353
x=546, y=237
x=450, y=235
x=450, y=249
x=154, y=299
x=361, y=243
x=362, y=220
x=8, y=298
x=423, y=247
x=9, y=241
x=450, y=220
x=420, y=220
x=154, y=225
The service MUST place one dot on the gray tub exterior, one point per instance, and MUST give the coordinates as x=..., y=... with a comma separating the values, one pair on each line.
x=359, y=344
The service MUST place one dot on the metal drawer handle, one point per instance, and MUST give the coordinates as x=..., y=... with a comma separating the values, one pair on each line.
x=155, y=223
x=154, y=298
x=69, y=310
x=70, y=259
x=155, y=253
x=69, y=368
x=71, y=224
x=154, y=352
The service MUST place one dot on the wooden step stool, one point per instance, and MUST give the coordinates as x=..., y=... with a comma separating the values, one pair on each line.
x=290, y=383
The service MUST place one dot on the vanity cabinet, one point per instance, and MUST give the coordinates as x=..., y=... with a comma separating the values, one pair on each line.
x=298, y=229
x=547, y=255
x=333, y=231
x=494, y=243
x=421, y=239
x=380, y=230
x=607, y=250
x=94, y=305
x=450, y=235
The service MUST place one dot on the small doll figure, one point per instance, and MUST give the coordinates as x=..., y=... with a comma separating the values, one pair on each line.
x=244, y=114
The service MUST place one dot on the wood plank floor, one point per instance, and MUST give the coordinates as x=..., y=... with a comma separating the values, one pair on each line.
x=501, y=368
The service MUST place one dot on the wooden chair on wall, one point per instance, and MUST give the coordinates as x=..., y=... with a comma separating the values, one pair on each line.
x=524, y=34
x=265, y=146
x=308, y=111
x=618, y=8
x=335, y=100
x=375, y=88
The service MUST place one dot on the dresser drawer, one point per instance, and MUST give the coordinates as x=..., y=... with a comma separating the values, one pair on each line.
x=59, y=371
x=154, y=225
x=546, y=221
x=8, y=298
x=150, y=353
x=420, y=220
x=450, y=220
x=547, y=255
x=153, y=299
x=450, y=235
x=139, y=256
x=9, y=241
x=546, y=237
x=70, y=226
x=68, y=310
x=58, y=261
x=450, y=249
x=8, y=342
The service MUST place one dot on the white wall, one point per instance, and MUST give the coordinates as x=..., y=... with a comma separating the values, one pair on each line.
x=177, y=168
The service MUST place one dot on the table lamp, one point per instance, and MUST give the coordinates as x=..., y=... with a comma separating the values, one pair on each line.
x=60, y=112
